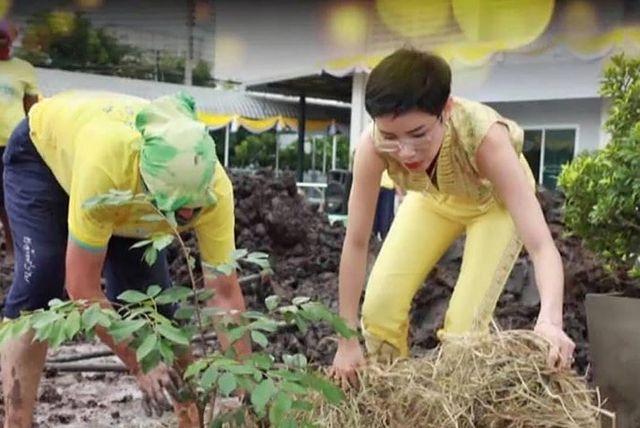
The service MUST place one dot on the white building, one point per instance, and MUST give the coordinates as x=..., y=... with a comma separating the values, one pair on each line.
x=538, y=62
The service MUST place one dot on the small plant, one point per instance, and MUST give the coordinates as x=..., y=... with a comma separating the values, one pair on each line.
x=275, y=392
x=603, y=189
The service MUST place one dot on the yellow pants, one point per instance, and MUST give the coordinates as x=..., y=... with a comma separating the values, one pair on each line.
x=424, y=228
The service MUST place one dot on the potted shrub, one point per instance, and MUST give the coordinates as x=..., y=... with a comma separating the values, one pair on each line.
x=603, y=207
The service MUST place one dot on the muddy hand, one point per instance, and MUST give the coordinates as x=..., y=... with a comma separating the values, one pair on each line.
x=159, y=387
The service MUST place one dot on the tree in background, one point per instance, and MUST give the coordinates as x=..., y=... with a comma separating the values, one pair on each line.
x=603, y=188
x=259, y=150
x=69, y=41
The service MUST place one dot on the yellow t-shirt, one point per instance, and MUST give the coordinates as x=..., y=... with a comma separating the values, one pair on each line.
x=89, y=141
x=457, y=173
x=386, y=181
x=17, y=79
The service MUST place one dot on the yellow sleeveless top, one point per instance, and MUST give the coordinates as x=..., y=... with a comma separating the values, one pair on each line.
x=456, y=172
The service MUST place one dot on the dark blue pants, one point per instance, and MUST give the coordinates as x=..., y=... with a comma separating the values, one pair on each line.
x=384, y=212
x=37, y=209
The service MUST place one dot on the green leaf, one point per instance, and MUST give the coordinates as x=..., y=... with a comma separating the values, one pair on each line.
x=153, y=290
x=259, y=259
x=133, y=296
x=272, y=302
x=212, y=312
x=174, y=295
x=280, y=407
x=184, y=312
x=147, y=346
x=261, y=361
x=261, y=395
x=141, y=244
x=290, y=423
x=253, y=315
x=265, y=324
x=304, y=405
x=161, y=242
x=191, y=262
x=173, y=334
x=236, y=333
x=167, y=354
x=195, y=368
x=141, y=310
x=227, y=383
x=5, y=330
x=259, y=338
x=91, y=316
x=293, y=309
x=72, y=325
x=205, y=294
x=225, y=269
x=44, y=333
x=106, y=316
x=258, y=255
x=300, y=300
x=246, y=383
x=41, y=319
x=121, y=330
x=57, y=334
x=331, y=392
x=241, y=369
x=287, y=375
x=93, y=202
x=296, y=360
x=171, y=219
x=302, y=325
x=150, y=362
x=238, y=254
x=208, y=378
x=150, y=255
x=315, y=311
x=293, y=388
x=59, y=304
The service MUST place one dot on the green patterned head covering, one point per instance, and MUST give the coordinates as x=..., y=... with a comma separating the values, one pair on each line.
x=178, y=156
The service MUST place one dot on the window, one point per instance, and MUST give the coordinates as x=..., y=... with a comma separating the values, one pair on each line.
x=547, y=149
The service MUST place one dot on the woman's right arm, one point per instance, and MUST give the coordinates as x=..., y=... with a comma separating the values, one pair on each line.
x=367, y=172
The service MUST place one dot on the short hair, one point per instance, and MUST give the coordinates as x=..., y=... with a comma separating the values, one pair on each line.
x=408, y=79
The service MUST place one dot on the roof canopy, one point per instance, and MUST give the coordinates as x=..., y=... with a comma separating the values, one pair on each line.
x=217, y=108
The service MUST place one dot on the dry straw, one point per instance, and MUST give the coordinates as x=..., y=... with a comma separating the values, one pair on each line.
x=497, y=380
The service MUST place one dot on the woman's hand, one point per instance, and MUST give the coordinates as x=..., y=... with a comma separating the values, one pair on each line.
x=562, y=347
x=348, y=359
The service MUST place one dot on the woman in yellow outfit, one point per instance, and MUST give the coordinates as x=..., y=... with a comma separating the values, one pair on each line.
x=463, y=168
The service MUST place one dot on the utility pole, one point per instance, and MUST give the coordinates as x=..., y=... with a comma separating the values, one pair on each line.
x=157, y=73
x=188, y=61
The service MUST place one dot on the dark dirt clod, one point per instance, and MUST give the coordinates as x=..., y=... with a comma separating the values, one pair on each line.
x=61, y=418
x=49, y=394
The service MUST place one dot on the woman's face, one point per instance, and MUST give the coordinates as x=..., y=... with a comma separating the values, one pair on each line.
x=412, y=138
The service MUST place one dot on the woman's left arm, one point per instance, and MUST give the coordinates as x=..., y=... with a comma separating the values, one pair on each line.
x=499, y=163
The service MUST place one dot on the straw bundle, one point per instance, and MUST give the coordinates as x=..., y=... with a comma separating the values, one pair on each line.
x=497, y=380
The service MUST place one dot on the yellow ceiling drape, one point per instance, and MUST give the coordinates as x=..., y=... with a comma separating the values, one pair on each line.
x=256, y=126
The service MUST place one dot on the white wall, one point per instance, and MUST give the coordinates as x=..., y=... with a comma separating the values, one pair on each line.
x=585, y=113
